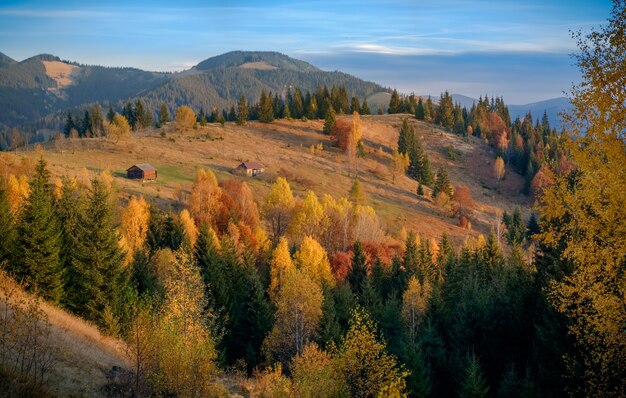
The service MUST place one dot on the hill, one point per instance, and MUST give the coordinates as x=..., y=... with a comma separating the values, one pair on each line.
x=44, y=84
x=283, y=147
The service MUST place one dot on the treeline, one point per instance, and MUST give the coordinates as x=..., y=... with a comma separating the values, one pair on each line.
x=534, y=149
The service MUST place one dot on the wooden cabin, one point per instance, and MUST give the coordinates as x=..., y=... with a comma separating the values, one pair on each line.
x=141, y=171
x=250, y=169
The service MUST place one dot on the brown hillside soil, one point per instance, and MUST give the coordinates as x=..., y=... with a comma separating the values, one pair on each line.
x=283, y=147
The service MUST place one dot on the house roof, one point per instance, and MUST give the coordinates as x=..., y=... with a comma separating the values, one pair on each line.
x=252, y=165
x=143, y=166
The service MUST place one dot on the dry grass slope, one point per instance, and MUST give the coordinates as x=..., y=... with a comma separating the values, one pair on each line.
x=283, y=147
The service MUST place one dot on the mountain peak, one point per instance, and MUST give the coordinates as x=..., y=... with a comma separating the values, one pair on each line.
x=5, y=60
x=42, y=57
x=255, y=60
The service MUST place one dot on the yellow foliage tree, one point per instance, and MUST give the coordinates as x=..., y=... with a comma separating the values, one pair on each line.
x=205, y=194
x=337, y=218
x=280, y=266
x=414, y=305
x=189, y=226
x=278, y=207
x=134, y=224
x=308, y=218
x=117, y=129
x=366, y=225
x=399, y=164
x=583, y=214
x=184, y=119
x=18, y=191
x=298, y=314
x=315, y=376
x=312, y=260
x=498, y=168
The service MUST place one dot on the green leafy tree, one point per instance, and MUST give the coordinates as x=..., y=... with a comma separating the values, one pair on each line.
x=36, y=258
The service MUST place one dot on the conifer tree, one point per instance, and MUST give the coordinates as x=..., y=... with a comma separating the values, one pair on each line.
x=365, y=108
x=473, y=384
x=358, y=271
x=164, y=115
x=406, y=138
x=110, y=114
x=330, y=120
x=419, y=111
x=442, y=183
x=69, y=125
x=266, y=112
x=99, y=260
x=242, y=111
x=36, y=257
x=420, y=189
x=355, y=105
x=419, y=165
x=297, y=108
x=428, y=109
x=356, y=194
x=70, y=208
x=395, y=103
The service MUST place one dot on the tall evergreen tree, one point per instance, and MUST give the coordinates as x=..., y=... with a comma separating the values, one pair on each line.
x=36, y=257
x=406, y=138
x=358, y=270
x=395, y=103
x=70, y=207
x=242, y=110
x=473, y=384
x=99, y=260
x=329, y=122
x=442, y=183
x=266, y=111
x=419, y=110
x=69, y=125
x=365, y=108
x=164, y=115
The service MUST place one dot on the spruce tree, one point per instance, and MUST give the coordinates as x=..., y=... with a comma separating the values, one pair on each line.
x=473, y=384
x=110, y=114
x=70, y=209
x=419, y=165
x=406, y=138
x=36, y=257
x=329, y=122
x=395, y=103
x=266, y=113
x=164, y=115
x=365, y=108
x=420, y=189
x=442, y=183
x=419, y=111
x=69, y=125
x=355, y=105
x=242, y=111
x=358, y=270
x=99, y=260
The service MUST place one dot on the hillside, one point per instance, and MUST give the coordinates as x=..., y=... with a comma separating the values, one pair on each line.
x=283, y=147
x=44, y=85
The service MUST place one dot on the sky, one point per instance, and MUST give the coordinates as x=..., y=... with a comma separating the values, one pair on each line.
x=516, y=49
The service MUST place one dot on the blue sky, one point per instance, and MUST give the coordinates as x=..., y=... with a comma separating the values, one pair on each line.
x=515, y=49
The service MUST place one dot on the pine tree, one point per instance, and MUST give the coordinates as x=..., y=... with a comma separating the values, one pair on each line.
x=312, y=110
x=266, y=112
x=164, y=115
x=36, y=257
x=442, y=183
x=419, y=165
x=473, y=384
x=110, y=114
x=406, y=138
x=99, y=260
x=355, y=105
x=358, y=271
x=70, y=208
x=420, y=189
x=365, y=108
x=395, y=103
x=329, y=122
x=356, y=194
x=69, y=125
x=297, y=108
x=419, y=111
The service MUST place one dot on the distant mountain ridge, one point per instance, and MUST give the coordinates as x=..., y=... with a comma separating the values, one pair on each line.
x=553, y=107
x=43, y=85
